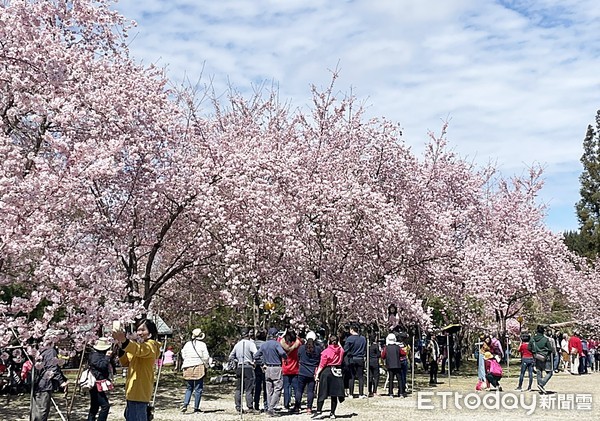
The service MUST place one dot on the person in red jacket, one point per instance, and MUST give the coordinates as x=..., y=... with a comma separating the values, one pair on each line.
x=290, y=366
x=527, y=361
x=575, y=351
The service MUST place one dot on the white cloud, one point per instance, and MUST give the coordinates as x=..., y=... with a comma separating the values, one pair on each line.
x=517, y=78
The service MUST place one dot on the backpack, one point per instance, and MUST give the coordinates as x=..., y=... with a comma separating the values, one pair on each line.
x=86, y=380
x=495, y=368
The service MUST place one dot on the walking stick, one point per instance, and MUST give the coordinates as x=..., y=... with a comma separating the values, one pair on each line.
x=31, y=391
x=151, y=405
x=368, y=370
x=317, y=382
x=70, y=407
x=62, y=417
x=507, y=358
x=242, y=381
x=448, y=355
x=412, y=367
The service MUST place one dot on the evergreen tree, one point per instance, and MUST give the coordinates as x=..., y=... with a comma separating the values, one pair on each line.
x=588, y=208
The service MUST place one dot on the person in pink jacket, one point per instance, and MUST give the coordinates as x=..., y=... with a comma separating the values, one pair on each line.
x=329, y=376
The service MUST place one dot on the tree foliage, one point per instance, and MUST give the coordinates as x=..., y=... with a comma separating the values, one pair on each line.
x=587, y=241
x=120, y=194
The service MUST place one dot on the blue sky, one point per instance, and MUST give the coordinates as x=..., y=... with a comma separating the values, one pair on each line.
x=518, y=80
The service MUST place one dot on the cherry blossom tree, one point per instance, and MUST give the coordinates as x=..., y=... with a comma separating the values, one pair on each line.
x=120, y=194
x=98, y=212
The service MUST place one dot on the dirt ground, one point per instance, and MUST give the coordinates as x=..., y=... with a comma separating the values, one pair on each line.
x=572, y=398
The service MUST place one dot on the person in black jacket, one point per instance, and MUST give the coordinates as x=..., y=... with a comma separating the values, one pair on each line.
x=99, y=363
x=355, y=348
x=374, y=355
x=392, y=357
x=48, y=378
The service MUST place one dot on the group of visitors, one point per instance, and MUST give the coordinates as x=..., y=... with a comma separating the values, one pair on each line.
x=138, y=352
x=298, y=366
x=292, y=365
x=266, y=365
x=578, y=355
x=489, y=371
x=540, y=354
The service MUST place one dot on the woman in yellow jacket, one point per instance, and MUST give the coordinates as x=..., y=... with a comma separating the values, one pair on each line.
x=139, y=357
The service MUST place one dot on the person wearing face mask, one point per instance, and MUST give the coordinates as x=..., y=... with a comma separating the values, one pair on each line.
x=139, y=358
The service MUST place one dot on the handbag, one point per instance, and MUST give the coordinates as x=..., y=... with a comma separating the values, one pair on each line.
x=337, y=372
x=538, y=355
x=194, y=373
x=104, y=385
x=86, y=379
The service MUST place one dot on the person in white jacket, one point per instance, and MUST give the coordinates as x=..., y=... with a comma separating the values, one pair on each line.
x=195, y=360
x=564, y=351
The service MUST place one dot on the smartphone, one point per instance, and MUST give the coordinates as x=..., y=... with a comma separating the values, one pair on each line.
x=116, y=326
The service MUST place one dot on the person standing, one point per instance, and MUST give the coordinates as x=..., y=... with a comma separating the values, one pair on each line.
x=404, y=353
x=575, y=351
x=583, y=356
x=527, y=361
x=243, y=352
x=47, y=374
x=485, y=346
x=374, y=355
x=355, y=349
x=496, y=348
x=100, y=367
x=540, y=346
x=329, y=376
x=290, y=366
x=309, y=356
x=557, y=357
x=433, y=353
x=391, y=356
x=443, y=358
x=195, y=358
x=564, y=350
x=139, y=358
x=393, y=321
x=272, y=354
x=592, y=345
x=260, y=387
x=597, y=356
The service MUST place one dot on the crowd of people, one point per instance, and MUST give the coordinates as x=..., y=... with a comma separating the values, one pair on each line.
x=301, y=367
x=543, y=354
